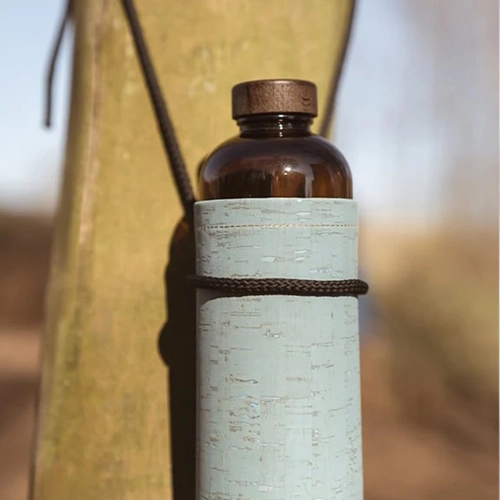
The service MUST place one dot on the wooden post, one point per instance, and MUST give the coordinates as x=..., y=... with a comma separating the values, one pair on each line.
x=104, y=423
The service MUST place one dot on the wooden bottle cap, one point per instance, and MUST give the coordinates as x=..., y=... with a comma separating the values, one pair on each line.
x=274, y=96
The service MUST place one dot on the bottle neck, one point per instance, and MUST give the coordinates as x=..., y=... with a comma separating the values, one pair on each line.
x=275, y=125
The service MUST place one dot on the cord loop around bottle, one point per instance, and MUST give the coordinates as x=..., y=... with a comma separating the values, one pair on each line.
x=281, y=286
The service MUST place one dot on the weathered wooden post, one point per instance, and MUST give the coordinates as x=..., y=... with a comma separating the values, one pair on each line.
x=104, y=429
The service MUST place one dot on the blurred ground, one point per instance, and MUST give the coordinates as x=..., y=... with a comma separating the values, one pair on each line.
x=24, y=259
x=429, y=361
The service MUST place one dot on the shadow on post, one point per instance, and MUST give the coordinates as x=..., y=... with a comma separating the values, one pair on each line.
x=177, y=345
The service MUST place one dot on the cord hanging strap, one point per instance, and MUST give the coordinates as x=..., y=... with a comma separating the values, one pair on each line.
x=163, y=119
x=333, y=89
x=162, y=115
x=49, y=90
x=272, y=286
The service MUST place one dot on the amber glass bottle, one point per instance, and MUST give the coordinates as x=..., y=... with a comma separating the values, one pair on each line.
x=275, y=154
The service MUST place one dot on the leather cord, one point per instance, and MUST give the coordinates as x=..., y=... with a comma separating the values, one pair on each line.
x=281, y=286
x=170, y=143
x=333, y=90
x=164, y=121
x=51, y=69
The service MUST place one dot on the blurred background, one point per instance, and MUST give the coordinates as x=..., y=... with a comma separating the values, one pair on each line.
x=417, y=119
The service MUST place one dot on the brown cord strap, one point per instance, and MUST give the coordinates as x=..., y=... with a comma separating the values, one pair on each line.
x=167, y=131
x=281, y=286
x=49, y=88
x=244, y=286
x=165, y=124
x=333, y=90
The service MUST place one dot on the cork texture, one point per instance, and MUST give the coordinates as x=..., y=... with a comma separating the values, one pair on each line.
x=278, y=379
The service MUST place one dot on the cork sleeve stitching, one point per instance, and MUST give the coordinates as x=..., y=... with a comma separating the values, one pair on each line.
x=273, y=226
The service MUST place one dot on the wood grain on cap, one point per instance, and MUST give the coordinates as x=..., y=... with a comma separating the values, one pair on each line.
x=274, y=96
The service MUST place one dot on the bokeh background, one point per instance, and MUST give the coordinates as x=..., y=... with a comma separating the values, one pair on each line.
x=417, y=119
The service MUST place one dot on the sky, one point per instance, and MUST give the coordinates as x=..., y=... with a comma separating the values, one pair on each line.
x=30, y=168
x=399, y=147
x=418, y=109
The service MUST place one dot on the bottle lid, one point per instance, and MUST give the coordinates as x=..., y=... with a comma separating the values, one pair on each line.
x=274, y=96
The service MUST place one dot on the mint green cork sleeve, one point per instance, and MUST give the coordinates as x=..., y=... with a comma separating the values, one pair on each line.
x=278, y=376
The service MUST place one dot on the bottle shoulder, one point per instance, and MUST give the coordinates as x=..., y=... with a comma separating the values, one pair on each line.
x=312, y=149
x=275, y=166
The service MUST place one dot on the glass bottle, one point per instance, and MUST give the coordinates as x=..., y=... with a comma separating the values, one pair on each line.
x=275, y=154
